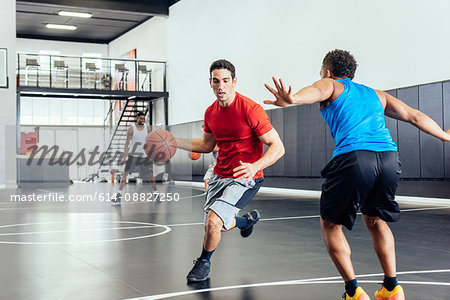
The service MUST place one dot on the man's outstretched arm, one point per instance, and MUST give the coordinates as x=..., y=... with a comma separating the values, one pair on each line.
x=397, y=109
x=319, y=91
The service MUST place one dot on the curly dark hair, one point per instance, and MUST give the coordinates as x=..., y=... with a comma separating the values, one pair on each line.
x=222, y=64
x=139, y=113
x=341, y=63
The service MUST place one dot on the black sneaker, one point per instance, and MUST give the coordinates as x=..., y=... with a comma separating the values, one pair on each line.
x=200, y=271
x=116, y=200
x=253, y=218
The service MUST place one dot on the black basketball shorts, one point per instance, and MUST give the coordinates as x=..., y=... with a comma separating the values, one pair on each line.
x=363, y=180
x=143, y=162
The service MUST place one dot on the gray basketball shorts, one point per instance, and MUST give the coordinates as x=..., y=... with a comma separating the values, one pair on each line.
x=226, y=196
x=210, y=172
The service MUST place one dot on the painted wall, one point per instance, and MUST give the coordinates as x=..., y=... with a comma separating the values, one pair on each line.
x=149, y=40
x=396, y=43
x=8, y=96
x=64, y=48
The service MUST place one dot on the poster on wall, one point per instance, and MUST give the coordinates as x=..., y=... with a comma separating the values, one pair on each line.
x=124, y=72
x=3, y=68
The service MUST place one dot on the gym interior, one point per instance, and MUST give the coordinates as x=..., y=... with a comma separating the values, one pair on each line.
x=75, y=74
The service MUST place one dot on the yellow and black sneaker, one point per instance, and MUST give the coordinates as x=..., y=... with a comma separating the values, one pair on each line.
x=360, y=294
x=396, y=294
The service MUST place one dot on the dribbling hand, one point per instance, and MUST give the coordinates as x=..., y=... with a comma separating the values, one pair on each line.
x=245, y=171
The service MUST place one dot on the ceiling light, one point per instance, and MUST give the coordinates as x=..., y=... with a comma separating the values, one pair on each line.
x=60, y=26
x=74, y=14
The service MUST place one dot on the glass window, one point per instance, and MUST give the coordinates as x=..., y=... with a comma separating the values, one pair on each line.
x=100, y=111
x=26, y=111
x=40, y=111
x=55, y=111
x=69, y=112
x=85, y=112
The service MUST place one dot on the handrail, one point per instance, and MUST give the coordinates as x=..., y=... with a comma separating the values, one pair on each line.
x=93, y=57
x=112, y=136
x=87, y=72
x=110, y=111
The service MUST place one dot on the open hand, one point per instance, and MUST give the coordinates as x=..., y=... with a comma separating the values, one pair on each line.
x=246, y=171
x=283, y=97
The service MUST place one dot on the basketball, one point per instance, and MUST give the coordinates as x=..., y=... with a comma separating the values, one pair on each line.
x=194, y=155
x=160, y=145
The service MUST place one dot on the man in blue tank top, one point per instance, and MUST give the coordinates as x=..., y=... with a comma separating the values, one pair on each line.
x=364, y=171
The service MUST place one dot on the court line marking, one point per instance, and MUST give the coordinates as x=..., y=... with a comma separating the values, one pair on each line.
x=311, y=216
x=151, y=225
x=334, y=279
x=63, y=202
x=316, y=194
x=167, y=229
x=377, y=281
x=81, y=230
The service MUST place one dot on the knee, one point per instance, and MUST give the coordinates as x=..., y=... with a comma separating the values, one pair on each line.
x=213, y=223
x=373, y=223
x=334, y=238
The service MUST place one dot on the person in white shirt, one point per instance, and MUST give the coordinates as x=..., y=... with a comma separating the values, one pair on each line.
x=137, y=157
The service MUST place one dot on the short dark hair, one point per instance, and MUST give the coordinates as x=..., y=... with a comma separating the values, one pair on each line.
x=222, y=64
x=341, y=63
x=139, y=114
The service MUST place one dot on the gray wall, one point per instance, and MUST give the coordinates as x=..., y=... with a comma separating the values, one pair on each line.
x=309, y=145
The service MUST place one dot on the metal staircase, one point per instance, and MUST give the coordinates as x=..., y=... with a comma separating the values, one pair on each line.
x=118, y=138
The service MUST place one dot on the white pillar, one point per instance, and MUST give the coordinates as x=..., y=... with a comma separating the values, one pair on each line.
x=8, y=170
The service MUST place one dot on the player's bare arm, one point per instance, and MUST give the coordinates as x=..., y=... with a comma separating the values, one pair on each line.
x=317, y=92
x=203, y=145
x=397, y=109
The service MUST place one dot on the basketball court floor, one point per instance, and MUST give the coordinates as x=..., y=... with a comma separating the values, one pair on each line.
x=143, y=250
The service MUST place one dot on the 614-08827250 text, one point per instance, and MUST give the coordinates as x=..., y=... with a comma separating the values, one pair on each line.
x=101, y=197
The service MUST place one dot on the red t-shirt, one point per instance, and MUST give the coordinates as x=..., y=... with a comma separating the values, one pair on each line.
x=236, y=129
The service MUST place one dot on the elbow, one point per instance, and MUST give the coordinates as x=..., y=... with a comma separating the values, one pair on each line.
x=416, y=117
x=206, y=147
x=210, y=149
x=282, y=151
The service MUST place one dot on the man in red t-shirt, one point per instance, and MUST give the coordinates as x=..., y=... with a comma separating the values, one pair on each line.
x=239, y=127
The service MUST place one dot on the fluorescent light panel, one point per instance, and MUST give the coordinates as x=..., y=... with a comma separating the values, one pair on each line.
x=74, y=14
x=60, y=26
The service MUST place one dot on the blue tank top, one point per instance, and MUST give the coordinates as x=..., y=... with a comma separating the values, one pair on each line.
x=356, y=120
